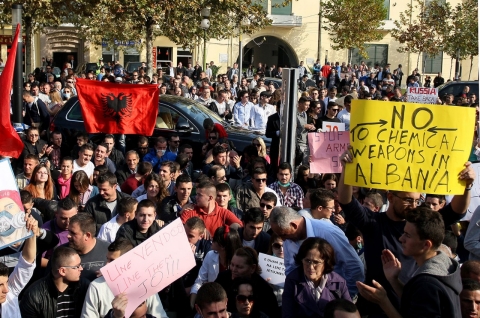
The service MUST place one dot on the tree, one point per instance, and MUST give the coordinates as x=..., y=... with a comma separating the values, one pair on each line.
x=179, y=20
x=37, y=15
x=422, y=28
x=352, y=24
x=462, y=39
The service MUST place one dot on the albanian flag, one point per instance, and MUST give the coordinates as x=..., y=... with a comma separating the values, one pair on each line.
x=114, y=108
x=10, y=144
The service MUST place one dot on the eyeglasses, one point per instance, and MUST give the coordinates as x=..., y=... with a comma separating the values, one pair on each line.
x=277, y=246
x=243, y=298
x=408, y=201
x=268, y=206
x=329, y=208
x=212, y=138
x=309, y=262
x=261, y=180
x=44, y=173
x=73, y=267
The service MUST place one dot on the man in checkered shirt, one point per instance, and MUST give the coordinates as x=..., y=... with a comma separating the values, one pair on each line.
x=289, y=193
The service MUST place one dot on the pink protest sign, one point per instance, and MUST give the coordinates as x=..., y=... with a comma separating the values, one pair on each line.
x=325, y=150
x=151, y=266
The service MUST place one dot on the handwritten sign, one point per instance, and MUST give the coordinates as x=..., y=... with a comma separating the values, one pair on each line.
x=422, y=95
x=409, y=147
x=273, y=269
x=12, y=216
x=151, y=266
x=325, y=149
x=332, y=126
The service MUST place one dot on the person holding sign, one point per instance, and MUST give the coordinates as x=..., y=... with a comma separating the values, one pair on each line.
x=303, y=128
x=331, y=115
x=313, y=284
x=383, y=230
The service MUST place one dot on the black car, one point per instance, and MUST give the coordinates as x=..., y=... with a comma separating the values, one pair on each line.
x=456, y=88
x=175, y=115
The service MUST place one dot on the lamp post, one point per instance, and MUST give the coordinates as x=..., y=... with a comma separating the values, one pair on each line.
x=244, y=22
x=18, y=71
x=205, y=24
x=326, y=57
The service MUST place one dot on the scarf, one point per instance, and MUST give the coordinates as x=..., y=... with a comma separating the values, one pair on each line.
x=64, y=187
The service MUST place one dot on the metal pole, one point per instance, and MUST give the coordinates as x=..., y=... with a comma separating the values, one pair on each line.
x=18, y=72
x=240, y=56
x=204, y=48
x=319, y=47
x=288, y=112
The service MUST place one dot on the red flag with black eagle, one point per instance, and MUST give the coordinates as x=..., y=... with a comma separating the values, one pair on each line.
x=10, y=143
x=114, y=108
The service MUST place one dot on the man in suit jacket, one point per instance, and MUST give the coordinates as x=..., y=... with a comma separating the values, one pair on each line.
x=36, y=113
x=273, y=131
x=252, y=234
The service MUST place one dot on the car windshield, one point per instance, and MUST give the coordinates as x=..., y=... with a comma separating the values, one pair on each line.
x=196, y=110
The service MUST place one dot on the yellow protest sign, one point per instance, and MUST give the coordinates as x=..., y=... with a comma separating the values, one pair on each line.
x=409, y=147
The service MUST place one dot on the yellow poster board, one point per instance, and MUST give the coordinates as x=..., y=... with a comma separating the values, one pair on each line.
x=409, y=147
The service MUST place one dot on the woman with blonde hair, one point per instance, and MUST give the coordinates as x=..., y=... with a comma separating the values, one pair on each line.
x=56, y=103
x=41, y=184
x=261, y=148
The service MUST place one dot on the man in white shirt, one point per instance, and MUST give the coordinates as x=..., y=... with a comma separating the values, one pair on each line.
x=126, y=208
x=260, y=112
x=44, y=93
x=344, y=115
x=242, y=110
x=98, y=300
x=84, y=161
x=253, y=83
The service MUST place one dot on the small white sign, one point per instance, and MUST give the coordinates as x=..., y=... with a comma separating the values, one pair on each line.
x=223, y=58
x=273, y=270
x=328, y=126
x=422, y=95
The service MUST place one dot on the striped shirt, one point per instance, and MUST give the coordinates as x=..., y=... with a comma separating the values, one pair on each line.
x=65, y=304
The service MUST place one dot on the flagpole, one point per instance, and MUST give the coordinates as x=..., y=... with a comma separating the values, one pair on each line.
x=18, y=72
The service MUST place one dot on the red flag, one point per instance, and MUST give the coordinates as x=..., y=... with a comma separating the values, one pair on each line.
x=118, y=108
x=10, y=143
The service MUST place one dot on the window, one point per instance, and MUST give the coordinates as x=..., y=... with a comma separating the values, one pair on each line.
x=167, y=118
x=278, y=8
x=433, y=64
x=377, y=54
x=386, y=3
x=75, y=113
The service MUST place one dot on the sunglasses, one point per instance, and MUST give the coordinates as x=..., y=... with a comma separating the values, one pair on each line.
x=257, y=145
x=268, y=206
x=335, y=109
x=212, y=138
x=261, y=180
x=243, y=298
x=70, y=82
x=277, y=245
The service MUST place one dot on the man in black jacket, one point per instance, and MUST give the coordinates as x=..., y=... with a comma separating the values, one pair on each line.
x=172, y=205
x=102, y=206
x=61, y=292
x=252, y=233
x=130, y=167
x=273, y=131
x=143, y=226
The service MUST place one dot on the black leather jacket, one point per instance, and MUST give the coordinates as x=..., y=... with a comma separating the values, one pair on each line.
x=40, y=299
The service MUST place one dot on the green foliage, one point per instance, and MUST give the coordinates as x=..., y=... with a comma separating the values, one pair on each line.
x=353, y=23
x=215, y=70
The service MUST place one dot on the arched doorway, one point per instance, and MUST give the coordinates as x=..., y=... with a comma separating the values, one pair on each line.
x=269, y=50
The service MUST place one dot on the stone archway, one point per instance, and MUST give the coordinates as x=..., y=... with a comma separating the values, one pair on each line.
x=269, y=50
x=63, y=43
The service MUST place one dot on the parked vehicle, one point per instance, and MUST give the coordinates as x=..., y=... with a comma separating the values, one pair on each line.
x=456, y=88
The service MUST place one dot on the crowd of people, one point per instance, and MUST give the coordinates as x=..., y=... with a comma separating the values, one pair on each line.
x=347, y=251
